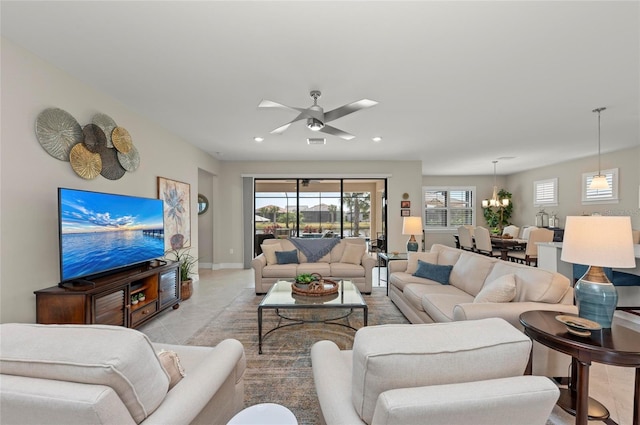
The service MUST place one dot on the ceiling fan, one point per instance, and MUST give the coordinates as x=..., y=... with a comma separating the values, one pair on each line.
x=316, y=118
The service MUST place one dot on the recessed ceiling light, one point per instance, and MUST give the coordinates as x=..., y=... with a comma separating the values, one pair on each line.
x=258, y=139
x=377, y=139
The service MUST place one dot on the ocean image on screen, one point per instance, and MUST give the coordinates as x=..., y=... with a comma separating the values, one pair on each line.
x=101, y=232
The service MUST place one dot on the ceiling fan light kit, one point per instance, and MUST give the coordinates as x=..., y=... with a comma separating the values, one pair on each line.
x=315, y=116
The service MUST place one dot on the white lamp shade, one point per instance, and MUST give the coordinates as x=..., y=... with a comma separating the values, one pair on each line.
x=598, y=241
x=411, y=225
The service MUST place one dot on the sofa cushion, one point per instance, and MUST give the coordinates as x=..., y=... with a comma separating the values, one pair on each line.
x=287, y=257
x=470, y=271
x=413, y=257
x=500, y=290
x=414, y=292
x=532, y=283
x=435, y=272
x=440, y=353
x=118, y=357
x=346, y=270
x=446, y=255
x=324, y=269
x=269, y=251
x=171, y=364
x=353, y=254
x=281, y=270
x=440, y=306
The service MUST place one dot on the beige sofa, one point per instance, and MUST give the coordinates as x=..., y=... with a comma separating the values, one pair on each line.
x=96, y=374
x=468, y=372
x=508, y=289
x=346, y=260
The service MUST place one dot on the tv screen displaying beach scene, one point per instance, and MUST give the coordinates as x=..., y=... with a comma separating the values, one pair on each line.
x=100, y=232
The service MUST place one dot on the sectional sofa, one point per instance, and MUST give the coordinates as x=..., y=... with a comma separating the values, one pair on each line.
x=477, y=287
x=346, y=259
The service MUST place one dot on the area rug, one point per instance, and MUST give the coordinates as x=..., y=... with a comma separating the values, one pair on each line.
x=282, y=374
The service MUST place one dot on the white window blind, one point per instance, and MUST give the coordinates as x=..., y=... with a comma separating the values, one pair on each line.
x=600, y=196
x=448, y=207
x=545, y=192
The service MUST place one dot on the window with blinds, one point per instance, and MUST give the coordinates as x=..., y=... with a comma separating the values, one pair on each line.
x=448, y=208
x=545, y=193
x=600, y=196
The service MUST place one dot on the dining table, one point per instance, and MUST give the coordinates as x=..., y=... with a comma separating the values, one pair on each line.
x=507, y=244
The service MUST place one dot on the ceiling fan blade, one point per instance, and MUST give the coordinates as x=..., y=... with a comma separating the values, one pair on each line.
x=272, y=104
x=348, y=109
x=335, y=132
x=282, y=128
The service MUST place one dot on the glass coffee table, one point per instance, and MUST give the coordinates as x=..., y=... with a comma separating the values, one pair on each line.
x=280, y=298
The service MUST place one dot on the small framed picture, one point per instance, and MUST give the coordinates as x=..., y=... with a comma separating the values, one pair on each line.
x=405, y=213
x=405, y=204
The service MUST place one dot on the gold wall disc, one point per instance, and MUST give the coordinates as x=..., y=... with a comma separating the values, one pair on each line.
x=86, y=164
x=121, y=139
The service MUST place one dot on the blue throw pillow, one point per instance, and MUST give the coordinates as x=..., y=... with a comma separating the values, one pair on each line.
x=287, y=257
x=434, y=272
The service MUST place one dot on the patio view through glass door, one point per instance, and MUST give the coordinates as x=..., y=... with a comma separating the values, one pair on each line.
x=317, y=208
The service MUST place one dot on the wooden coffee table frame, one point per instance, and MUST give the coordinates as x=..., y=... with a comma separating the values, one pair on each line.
x=617, y=346
x=355, y=301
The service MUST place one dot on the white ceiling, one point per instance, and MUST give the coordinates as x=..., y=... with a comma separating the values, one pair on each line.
x=459, y=83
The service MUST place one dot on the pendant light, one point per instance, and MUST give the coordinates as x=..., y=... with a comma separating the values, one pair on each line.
x=599, y=181
x=495, y=201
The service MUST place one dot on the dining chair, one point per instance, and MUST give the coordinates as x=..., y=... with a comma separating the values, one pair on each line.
x=483, y=243
x=511, y=230
x=530, y=255
x=464, y=236
x=526, y=231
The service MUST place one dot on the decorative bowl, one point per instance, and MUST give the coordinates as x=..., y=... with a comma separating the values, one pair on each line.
x=578, y=325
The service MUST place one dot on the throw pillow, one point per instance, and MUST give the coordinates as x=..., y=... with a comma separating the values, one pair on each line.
x=269, y=252
x=171, y=363
x=436, y=272
x=287, y=257
x=501, y=290
x=353, y=254
x=413, y=257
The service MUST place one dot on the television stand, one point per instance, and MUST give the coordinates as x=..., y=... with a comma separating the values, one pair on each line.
x=127, y=298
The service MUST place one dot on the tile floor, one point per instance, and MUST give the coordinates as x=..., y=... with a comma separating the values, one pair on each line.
x=612, y=386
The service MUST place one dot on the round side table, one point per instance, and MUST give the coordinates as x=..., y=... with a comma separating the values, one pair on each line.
x=264, y=414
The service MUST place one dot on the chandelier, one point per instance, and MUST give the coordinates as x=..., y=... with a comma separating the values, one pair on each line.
x=495, y=200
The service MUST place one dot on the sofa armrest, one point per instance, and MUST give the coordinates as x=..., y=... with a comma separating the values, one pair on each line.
x=526, y=400
x=258, y=263
x=508, y=311
x=397, y=266
x=193, y=393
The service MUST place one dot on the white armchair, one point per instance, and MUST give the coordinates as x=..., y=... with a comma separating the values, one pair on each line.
x=451, y=373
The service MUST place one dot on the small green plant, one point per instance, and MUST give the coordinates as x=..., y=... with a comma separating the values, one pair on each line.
x=185, y=259
x=305, y=278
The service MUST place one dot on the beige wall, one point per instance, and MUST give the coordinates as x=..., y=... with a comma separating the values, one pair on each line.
x=404, y=176
x=29, y=176
x=569, y=176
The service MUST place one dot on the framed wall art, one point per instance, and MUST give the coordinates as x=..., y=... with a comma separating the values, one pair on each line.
x=405, y=213
x=177, y=212
x=405, y=204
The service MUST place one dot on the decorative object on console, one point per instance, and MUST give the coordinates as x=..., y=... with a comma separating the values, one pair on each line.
x=598, y=241
x=177, y=212
x=412, y=226
x=89, y=149
x=599, y=181
x=187, y=268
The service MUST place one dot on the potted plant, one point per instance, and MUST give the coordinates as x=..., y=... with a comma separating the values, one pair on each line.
x=141, y=297
x=134, y=299
x=187, y=265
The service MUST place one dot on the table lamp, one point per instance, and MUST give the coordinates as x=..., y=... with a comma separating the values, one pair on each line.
x=412, y=226
x=597, y=241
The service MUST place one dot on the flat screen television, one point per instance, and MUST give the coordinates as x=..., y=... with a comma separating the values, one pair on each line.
x=102, y=232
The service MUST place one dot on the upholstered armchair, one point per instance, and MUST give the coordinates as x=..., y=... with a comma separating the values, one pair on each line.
x=468, y=372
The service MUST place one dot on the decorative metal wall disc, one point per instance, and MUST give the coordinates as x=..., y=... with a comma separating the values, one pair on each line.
x=93, y=137
x=57, y=131
x=107, y=124
x=121, y=139
x=130, y=160
x=86, y=164
x=111, y=168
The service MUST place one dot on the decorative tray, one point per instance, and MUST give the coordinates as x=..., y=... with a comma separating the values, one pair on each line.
x=316, y=288
x=578, y=325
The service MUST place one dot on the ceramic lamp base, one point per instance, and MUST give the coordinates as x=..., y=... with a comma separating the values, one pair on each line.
x=596, y=301
x=412, y=244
